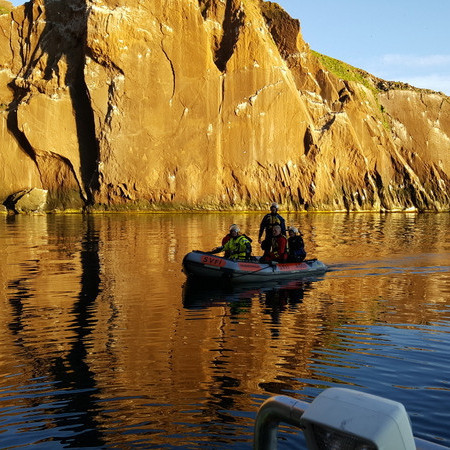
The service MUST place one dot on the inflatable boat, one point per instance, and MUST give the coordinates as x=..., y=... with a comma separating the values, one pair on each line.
x=198, y=264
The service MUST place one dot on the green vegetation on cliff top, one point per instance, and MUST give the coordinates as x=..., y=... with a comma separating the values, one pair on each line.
x=349, y=73
x=345, y=71
x=5, y=7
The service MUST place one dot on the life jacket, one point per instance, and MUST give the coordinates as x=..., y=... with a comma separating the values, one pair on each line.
x=277, y=250
x=269, y=221
x=296, y=249
x=228, y=237
x=224, y=241
x=238, y=247
x=279, y=247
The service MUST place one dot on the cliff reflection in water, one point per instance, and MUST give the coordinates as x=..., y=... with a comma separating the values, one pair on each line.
x=104, y=343
x=69, y=369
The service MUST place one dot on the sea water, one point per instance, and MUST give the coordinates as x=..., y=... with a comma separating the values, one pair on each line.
x=104, y=344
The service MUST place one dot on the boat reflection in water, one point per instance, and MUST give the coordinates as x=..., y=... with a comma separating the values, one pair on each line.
x=277, y=295
x=274, y=298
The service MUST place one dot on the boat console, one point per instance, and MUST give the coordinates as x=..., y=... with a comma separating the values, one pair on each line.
x=340, y=418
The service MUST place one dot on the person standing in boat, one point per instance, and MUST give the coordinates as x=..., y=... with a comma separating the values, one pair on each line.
x=268, y=222
x=296, y=246
x=238, y=246
x=275, y=248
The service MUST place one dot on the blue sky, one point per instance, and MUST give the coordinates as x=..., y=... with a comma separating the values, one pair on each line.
x=396, y=40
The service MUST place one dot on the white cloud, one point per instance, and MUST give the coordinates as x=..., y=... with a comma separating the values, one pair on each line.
x=425, y=71
x=435, y=82
x=416, y=60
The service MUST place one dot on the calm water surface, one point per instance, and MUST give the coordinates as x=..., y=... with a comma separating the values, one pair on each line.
x=104, y=344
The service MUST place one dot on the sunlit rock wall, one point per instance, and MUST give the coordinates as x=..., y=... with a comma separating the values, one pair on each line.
x=205, y=104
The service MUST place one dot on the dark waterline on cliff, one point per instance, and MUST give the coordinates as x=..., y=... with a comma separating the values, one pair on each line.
x=104, y=344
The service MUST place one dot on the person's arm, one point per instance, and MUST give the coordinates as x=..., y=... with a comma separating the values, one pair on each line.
x=282, y=250
x=301, y=243
x=282, y=225
x=248, y=249
x=261, y=228
x=217, y=250
x=289, y=246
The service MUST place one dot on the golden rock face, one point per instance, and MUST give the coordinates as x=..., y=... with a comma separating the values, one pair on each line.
x=206, y=105
x=5, y=6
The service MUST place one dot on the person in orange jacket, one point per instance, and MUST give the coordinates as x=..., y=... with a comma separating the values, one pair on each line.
x=276, y=248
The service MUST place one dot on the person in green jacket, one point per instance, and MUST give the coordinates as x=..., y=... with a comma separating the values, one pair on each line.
x=237, y=247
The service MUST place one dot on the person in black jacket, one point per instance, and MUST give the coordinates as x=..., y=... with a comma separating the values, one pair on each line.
x=296, y=246
x=269, y=221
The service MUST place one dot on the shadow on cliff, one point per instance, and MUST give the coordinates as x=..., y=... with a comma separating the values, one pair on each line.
x=232, y=24
x=63, y=40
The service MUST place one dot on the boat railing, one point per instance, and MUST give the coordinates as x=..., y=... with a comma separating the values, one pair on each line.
x=339, y=418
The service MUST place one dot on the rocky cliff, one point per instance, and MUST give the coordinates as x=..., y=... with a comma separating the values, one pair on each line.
x=205, y=104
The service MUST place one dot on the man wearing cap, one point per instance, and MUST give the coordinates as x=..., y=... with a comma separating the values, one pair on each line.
x=269, y=221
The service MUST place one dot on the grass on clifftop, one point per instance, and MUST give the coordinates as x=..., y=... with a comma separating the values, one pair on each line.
x=347, y=72
x=344, y=71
